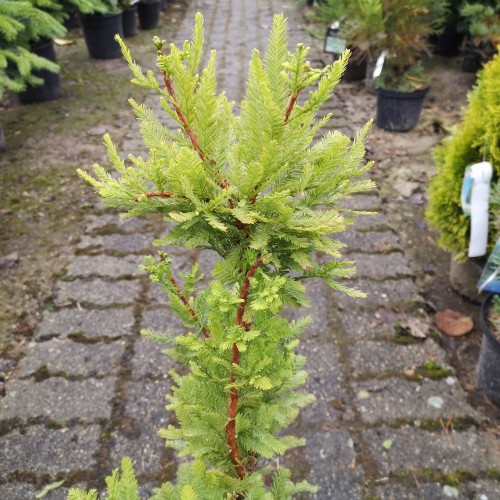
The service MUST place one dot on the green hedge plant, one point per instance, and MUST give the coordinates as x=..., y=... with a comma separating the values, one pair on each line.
x=476, y=137
x=259, y=192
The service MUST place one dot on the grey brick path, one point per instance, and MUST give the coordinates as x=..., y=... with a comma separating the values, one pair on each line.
x=90, y=390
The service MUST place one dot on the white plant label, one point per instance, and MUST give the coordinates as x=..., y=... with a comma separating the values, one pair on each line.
x=480, y=175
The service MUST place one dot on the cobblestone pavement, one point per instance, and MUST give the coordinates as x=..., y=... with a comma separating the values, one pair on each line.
x=90, y=390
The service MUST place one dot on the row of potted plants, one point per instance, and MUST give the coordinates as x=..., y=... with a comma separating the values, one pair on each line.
x=28, y=64
x=396, y=34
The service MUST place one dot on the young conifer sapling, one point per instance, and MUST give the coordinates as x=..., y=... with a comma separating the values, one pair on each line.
x=259, y=191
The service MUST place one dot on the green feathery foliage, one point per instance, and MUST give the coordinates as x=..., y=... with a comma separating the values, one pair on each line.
x=477, y=136
x=257, y=190
x=22, y=23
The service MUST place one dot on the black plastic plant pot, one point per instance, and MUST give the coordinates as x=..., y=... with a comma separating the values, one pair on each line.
x=51, y=87
x=356, y=69
x=149, y=14
x=163, y=5
x=448, y=43
x=489, y=359
x=129, y=21
x=99, y=32
x=399, y=111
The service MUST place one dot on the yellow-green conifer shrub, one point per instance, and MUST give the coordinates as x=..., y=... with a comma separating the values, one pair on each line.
x=477, y=136
x=261, y=193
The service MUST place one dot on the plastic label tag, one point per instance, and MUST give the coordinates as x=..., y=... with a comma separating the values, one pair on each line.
x=379, y=65
x=466, y=192
x=480, y=175
x=334, y=44
x=490, y=277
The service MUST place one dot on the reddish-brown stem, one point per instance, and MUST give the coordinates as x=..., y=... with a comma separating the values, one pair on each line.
x=291, y=104
x=186, y=303
x=187, y=129
x=182, y=118
x=231, y=418
x=161, y=194
x=235, y=360
x=244, y=291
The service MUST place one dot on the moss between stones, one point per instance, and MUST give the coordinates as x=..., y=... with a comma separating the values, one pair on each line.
x=431, y=369
x=455, y=478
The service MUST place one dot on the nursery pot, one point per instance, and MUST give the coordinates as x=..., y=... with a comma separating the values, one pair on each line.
x=399, y=111
x=448, y=42
x=149, y=14
x=472, y=60
x=51, y=87
x=99, y=32
x=73, y=21
x=489, y=359
x=356, y=69
x=129, y=21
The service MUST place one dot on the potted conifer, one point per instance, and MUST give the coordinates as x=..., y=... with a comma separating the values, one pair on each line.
x=31, y=26
x=258, y=192
x=361, y=25
x=475, y=138
x=403, y=84
x=19, y=66
x=101, y=21
x=482, y=21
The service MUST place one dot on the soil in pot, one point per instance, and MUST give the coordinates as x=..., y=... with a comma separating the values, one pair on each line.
x=129, y=21
x=399, y=111
x=51, y=87
x=489, y=359
x=149, y=14
x=100, y=31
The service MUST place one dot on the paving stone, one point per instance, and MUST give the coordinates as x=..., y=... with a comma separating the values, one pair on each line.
x=484, y=489
x=18, y=491
x=371, y=223
x=324, y=320
x=49, y=451
x=370, y=324
x=148, y=359
x=430, y=491
x=394, y=398
x=362, y=202
x=25, y=491
x=58, y=399
x=326, y=461
x=380, y=357
x=378, y=267
x=380, y=293
x=105, y=266
x=414, y=448
x=326, y=382
x=369, y=241
x=118, y=243
x=98, y=291
x=116, y=223
x=72, y=358
x=87, y=322
x=143, y=415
